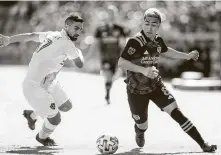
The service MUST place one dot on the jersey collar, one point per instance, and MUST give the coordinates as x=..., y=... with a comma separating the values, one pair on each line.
x=146, y=38
x=64, y=34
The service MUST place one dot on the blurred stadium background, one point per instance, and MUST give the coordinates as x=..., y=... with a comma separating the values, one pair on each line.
x=189, y=25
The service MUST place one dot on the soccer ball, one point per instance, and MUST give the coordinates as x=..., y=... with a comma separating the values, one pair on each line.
x=107, y=144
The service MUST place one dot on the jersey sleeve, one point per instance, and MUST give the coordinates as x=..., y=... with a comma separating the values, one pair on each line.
x=164, y=46
x=43, y=35
x=71, y=52
x=131, y=48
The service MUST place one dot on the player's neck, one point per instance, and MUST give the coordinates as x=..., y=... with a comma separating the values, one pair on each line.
x=151, y=37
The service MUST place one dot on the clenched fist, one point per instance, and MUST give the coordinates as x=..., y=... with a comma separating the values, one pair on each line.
x=4, y=40
x=150, y=72
x=193, y=55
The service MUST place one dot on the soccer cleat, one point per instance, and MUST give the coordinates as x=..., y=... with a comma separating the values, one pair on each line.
x=139, y=137
x=46, y=142
x=31, y=122
x=107, y=98
x=208, y=148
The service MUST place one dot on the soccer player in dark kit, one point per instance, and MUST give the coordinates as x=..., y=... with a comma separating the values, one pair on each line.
x=140, y=57
x=111, y=38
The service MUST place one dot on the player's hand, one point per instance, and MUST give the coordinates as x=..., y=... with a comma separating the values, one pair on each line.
x=150, y=72
x=79, y=61
x=4, y=40
x=193, y=55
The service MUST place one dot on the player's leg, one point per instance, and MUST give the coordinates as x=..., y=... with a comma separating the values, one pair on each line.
x=60, y=97
x=50, y=124
x=139, y=110
x=30, y=115
x=52, y=120
x=44, y=105
x=108, y=72
x=166, y=102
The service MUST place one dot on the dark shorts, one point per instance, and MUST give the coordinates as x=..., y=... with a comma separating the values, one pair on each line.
x=139, y=103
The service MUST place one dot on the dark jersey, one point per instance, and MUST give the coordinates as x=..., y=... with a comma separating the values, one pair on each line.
x=109, y=37
x=144, y=52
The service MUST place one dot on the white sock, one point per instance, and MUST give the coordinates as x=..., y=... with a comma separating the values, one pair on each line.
x=33, y=115
x=47, y=129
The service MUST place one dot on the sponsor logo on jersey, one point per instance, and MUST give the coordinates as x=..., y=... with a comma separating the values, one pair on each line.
x=131, y=50
x=146, y=52
x=149, y=60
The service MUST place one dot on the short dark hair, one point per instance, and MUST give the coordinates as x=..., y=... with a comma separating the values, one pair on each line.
x=73, y=18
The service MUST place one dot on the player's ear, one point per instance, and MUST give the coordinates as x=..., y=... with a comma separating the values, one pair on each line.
x=66, y=26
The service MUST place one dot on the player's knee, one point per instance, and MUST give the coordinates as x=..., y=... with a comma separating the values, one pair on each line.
x=65, y=106
x=172, y=106
x=108, y=84
x=56, y=119
x=106, y=66
x=141, y=121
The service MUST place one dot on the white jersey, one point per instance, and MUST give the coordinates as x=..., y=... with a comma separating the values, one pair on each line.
x=49, y=57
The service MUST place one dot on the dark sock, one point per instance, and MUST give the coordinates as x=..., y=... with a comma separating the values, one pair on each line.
x=108, y=87
x=138, y=130
x=187, y=126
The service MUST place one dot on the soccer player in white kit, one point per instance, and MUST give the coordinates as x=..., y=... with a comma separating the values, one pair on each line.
x=40, y=87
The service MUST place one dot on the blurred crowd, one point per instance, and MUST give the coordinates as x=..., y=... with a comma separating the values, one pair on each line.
x=188, y=25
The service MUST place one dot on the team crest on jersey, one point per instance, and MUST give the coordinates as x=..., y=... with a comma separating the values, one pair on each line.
x=159, y=49
x=131, y=50
x=52, y=106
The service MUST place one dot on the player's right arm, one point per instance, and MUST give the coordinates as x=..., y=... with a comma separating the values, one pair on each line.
x=24, y=37
x=128, y=53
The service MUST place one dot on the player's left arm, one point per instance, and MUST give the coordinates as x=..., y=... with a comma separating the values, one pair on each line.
x=172, y=53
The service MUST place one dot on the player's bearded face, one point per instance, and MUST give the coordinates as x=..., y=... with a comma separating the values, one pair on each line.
x=74, y=30
x=151, y=26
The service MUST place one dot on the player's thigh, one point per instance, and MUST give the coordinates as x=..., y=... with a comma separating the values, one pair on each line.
x=41, y=101
x=163, y=99
x=138, y=106
x=57, y=92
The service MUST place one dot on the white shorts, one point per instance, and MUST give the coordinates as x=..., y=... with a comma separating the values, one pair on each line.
x=44, y=101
